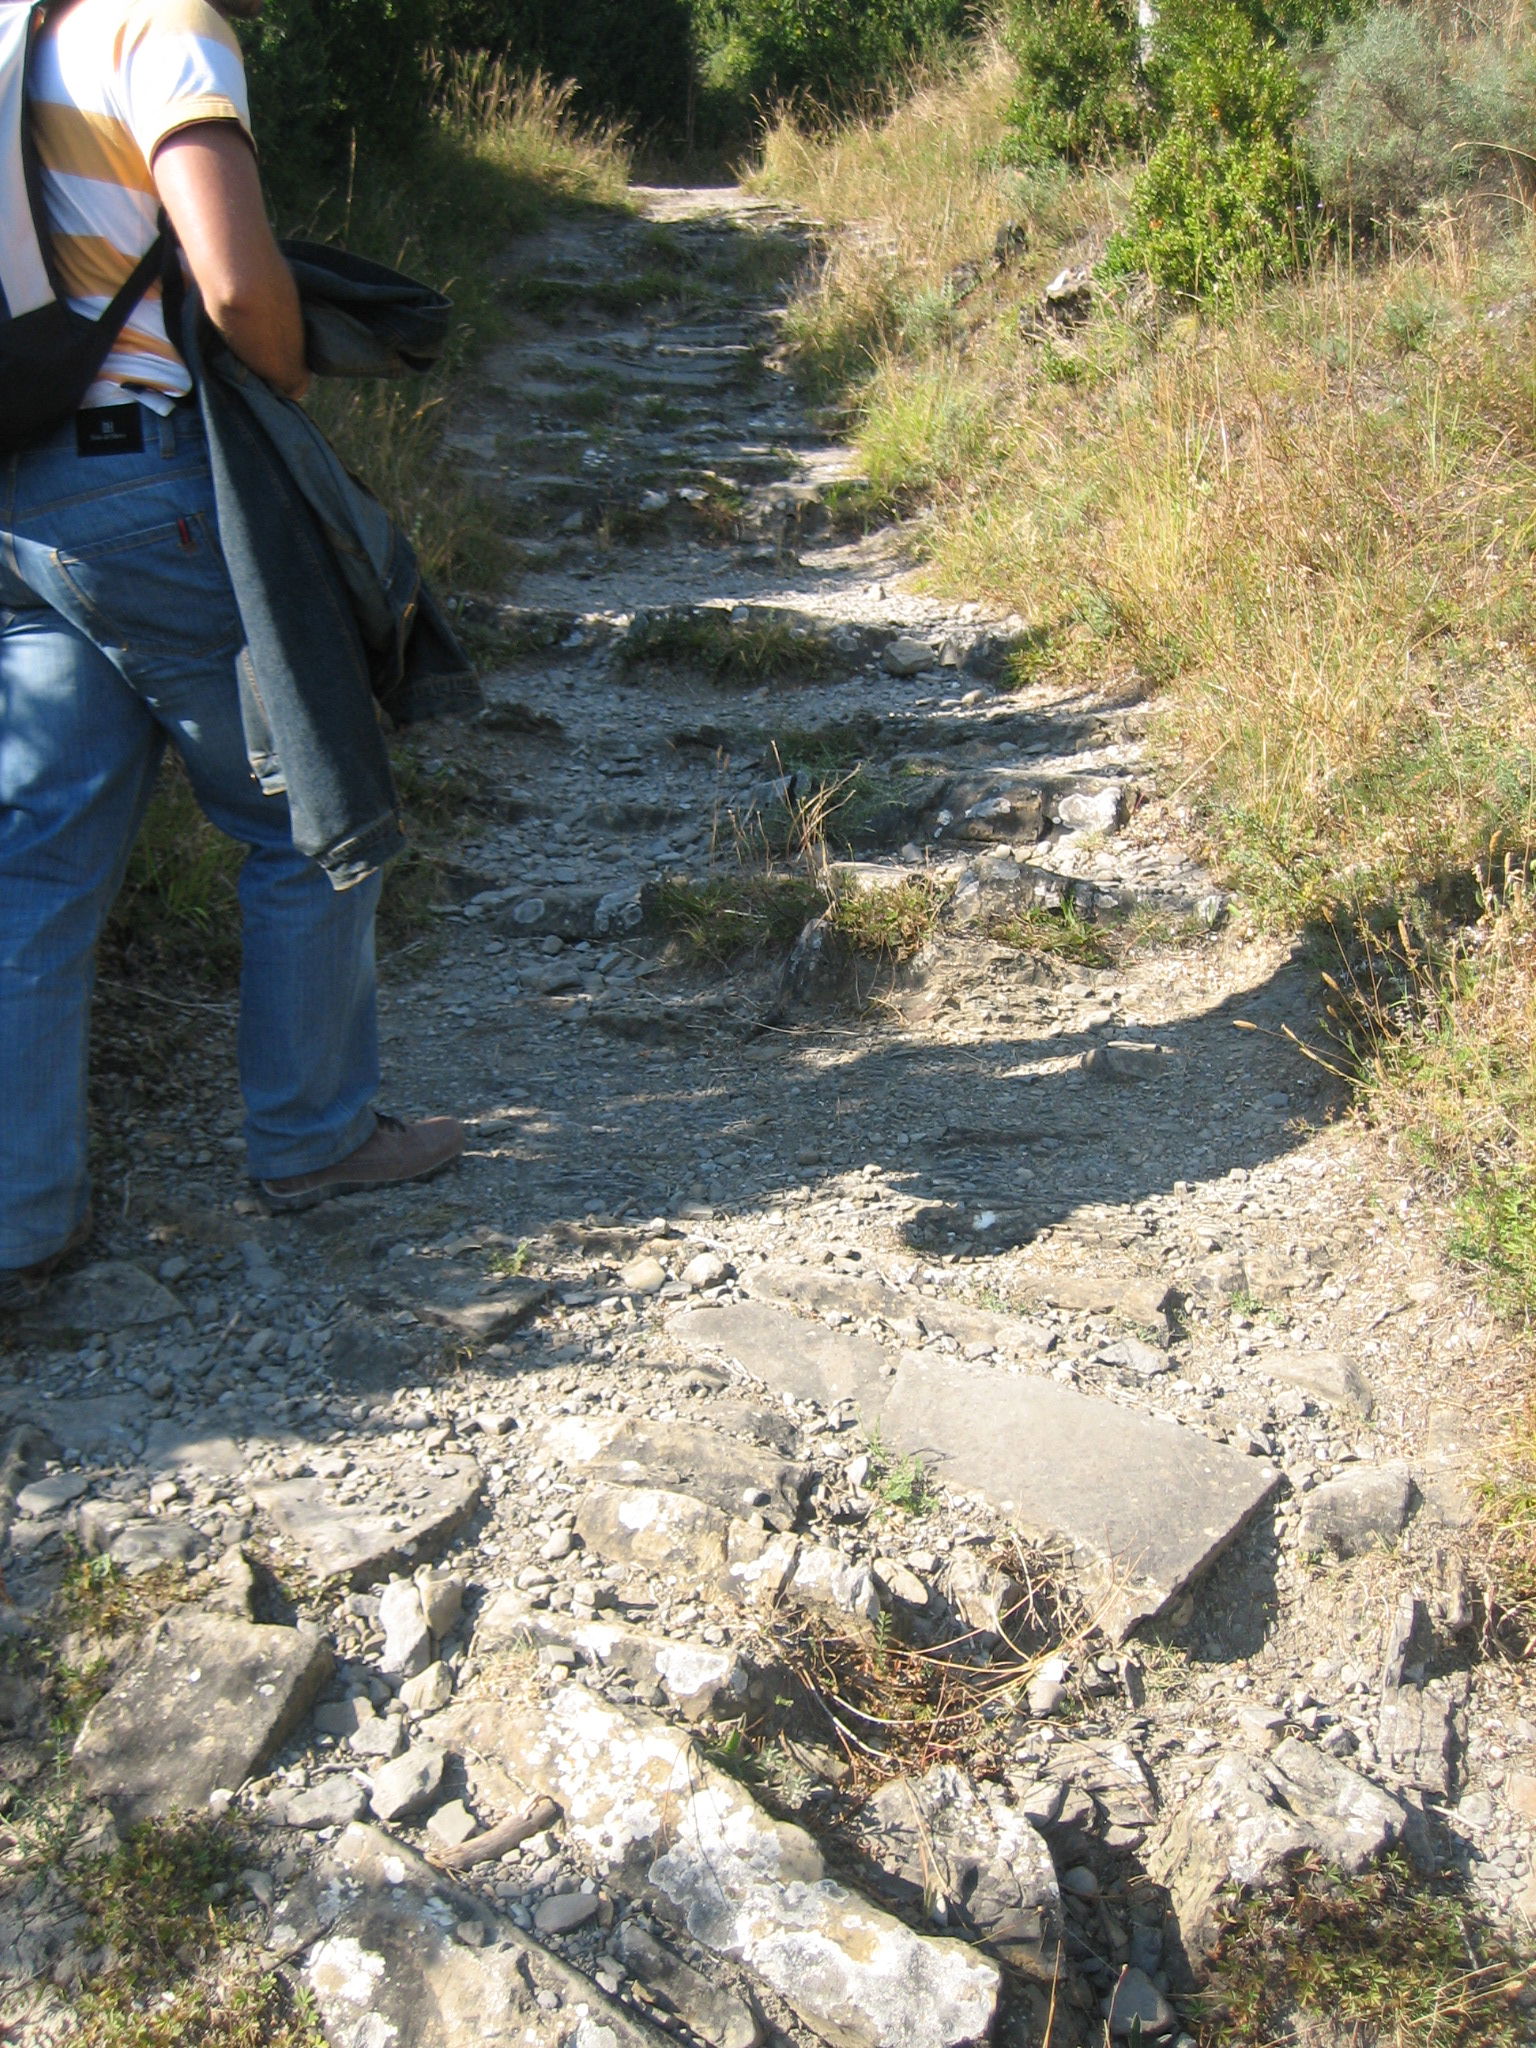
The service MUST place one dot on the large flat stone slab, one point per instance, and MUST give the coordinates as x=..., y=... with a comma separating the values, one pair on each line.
x=787, y=1352
x=815, y=1291
x=733, y=1476
x=1139, y=1301
x=412, y=1510
x=91, y=1425
x=488, y=1317
x=1328, y=1375
x=1150, y=1502
x=199, y=1447
x=204, y=1703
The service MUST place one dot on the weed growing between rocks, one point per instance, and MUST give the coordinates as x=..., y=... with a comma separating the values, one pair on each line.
x=893, y=923
x=742, y=654
x=68, y=1664
x=98, y=1598
x=908, y=1692
x=902, y=1483
x=1379, y=1958
x=1065, y=934
x=159, y=1910
x=733, y=916
x=249, y=2010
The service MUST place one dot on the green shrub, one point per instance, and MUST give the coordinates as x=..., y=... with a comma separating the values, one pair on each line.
x=1080, y=91
x=1223, y=203
x=1406, y=115
x=828, y=52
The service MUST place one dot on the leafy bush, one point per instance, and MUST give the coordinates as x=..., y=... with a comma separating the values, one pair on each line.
x=825, y=51
x=1080, y=94
x=1223, y=202
x=1406, y=115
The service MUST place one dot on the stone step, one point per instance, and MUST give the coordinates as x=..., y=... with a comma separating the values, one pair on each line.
x=1149, y=1504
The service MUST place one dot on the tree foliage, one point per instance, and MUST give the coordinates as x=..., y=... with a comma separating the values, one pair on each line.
x=328, y=73
x=1225, y=200
x=1081, y=95
x=826, y=51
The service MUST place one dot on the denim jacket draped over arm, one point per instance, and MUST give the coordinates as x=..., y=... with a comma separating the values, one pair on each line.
x=339, y=624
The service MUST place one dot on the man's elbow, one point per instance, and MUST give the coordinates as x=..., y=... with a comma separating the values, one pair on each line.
x=237, y=302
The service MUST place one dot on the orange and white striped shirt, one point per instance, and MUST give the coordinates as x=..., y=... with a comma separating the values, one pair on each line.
x=114, y=79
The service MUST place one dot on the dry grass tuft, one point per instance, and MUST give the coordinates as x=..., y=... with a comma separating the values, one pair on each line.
x=892, y=1706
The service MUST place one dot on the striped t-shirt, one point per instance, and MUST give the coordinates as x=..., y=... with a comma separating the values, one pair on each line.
x=113, y=79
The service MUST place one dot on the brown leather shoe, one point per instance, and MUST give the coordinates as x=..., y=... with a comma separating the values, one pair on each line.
x=21, y=1286
x=396, y=1153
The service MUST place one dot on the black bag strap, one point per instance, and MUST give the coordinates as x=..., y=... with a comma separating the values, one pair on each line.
x=173, y=285
x=135, y=285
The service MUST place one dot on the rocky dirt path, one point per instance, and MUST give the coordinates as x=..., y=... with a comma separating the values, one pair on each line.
x=890, y=1467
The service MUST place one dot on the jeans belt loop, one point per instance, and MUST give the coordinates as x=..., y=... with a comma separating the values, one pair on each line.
x=167, y=422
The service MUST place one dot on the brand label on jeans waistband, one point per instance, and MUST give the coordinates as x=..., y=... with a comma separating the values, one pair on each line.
x=110, y=430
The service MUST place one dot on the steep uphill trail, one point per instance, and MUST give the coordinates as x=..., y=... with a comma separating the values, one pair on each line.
x=770, y=1303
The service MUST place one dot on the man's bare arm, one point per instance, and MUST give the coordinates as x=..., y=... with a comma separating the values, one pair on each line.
x=208, y=183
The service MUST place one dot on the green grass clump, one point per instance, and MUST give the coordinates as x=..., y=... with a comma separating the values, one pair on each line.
x=893, y=923
x=1379, y=1957
x=764, y=649
x=1066, y=934
x=155, y=1902
x=1442, y=1029
x=176, y=1974
x=731, y=916
x=836, y=748
x=98, y=1597
x=253, y=2009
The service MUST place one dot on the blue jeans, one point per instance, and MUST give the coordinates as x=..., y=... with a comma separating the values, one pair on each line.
x=118, y=632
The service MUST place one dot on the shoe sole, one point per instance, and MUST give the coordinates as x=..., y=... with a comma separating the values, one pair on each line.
x=311, y=1198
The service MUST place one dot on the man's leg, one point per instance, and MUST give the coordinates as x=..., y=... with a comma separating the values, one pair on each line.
x=309, y=1053
x=125, y=548
x=77, y=760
